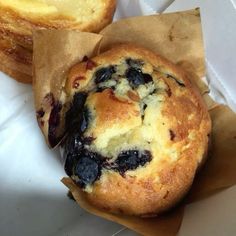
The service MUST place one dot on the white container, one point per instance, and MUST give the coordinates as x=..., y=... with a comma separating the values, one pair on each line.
x=32, y=199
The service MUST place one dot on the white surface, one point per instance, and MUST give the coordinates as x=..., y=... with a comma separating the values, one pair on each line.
x=32, y=199
x=129, y=8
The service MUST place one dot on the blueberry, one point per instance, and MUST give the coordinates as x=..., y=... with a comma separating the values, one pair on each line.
x=147, y=78
x=131, y=159
x=85, y=119
x=100, y=89
x=79, y=99
x=54, y=121
x=40, y=113
x=88, y=140
x=104, y=74
x=145, y=157
x=87, y=168
x=69, y=164
x=74, y=116
x=128, y=160
x=134, y=62
x=73, y=144
x=135, y=77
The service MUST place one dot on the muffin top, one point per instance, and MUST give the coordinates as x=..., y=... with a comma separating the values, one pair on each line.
x=134, y=130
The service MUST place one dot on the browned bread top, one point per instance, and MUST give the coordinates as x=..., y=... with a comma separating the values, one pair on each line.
x=18, y=18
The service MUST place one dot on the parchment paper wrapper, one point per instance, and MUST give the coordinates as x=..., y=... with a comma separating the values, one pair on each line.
x=178, y=37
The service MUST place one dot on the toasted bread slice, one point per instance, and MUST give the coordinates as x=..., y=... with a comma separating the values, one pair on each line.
x=19, y=17
x=16, y=61
x=17, y=75
x=87, y=15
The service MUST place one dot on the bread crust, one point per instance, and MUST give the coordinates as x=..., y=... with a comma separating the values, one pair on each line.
x=17, y=75
x=26, y=22
x=180, y=130
x=18, y=26
x=16, y=61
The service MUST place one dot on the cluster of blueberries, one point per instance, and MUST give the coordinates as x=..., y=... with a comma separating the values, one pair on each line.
x=134, y=74
x=81, y=162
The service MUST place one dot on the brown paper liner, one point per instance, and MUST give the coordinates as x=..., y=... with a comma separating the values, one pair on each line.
x=167, y=224
x=178, y=37
x=219, y=171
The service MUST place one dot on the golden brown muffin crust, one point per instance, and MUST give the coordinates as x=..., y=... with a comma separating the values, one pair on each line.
x=173, y=128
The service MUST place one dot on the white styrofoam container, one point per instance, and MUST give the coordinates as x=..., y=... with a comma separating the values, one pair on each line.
x=32, y=199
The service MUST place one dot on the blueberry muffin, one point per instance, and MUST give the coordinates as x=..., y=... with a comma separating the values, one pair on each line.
x=133, y=130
